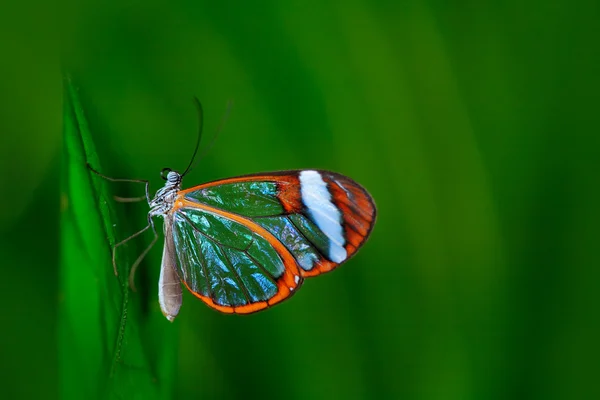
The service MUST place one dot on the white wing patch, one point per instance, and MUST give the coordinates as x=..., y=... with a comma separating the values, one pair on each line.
x=317, y=199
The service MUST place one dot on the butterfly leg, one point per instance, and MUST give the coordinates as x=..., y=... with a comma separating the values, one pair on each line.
x=114, y=249
x=120, y=199
x=108, y=178
x=141, y=256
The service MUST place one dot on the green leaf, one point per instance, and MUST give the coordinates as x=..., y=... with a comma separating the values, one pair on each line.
x=112, y=342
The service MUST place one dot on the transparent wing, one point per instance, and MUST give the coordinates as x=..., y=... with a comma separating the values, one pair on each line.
x=246, y=243
x=232, y=265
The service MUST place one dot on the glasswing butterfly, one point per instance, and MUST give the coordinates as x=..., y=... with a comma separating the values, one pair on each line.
x=246, y=243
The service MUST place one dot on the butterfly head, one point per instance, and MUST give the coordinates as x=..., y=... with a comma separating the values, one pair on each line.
x=172, y=177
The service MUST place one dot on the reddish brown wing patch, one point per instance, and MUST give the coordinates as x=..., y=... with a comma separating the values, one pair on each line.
x=289, y=193
x=356, y=206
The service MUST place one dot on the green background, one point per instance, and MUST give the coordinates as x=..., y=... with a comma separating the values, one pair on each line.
x=473, y=125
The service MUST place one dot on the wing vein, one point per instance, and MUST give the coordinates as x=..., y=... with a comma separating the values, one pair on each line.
x=208, y=237
x=202, y=265
x=236, y=275
x=259, y=265
x=307, y=240
x=206, y=277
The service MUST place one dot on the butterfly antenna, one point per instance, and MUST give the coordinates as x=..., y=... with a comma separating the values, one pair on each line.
x=200, y=124
x=214, y=139
x=219, y=129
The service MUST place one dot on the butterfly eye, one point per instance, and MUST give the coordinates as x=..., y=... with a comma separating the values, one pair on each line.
x=165, y=173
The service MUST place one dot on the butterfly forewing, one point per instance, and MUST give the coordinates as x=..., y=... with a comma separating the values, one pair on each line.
x=246, y=243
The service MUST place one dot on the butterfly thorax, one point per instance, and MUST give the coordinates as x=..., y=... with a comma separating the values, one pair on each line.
x=165, y=197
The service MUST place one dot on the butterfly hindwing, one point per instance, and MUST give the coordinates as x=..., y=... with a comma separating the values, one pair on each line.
x=230, y=263
x=246, y=243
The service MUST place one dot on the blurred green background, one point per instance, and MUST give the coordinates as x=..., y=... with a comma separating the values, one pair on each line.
x=473, y=125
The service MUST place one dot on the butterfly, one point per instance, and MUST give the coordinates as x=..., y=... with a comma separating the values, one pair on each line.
x=246, y=243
